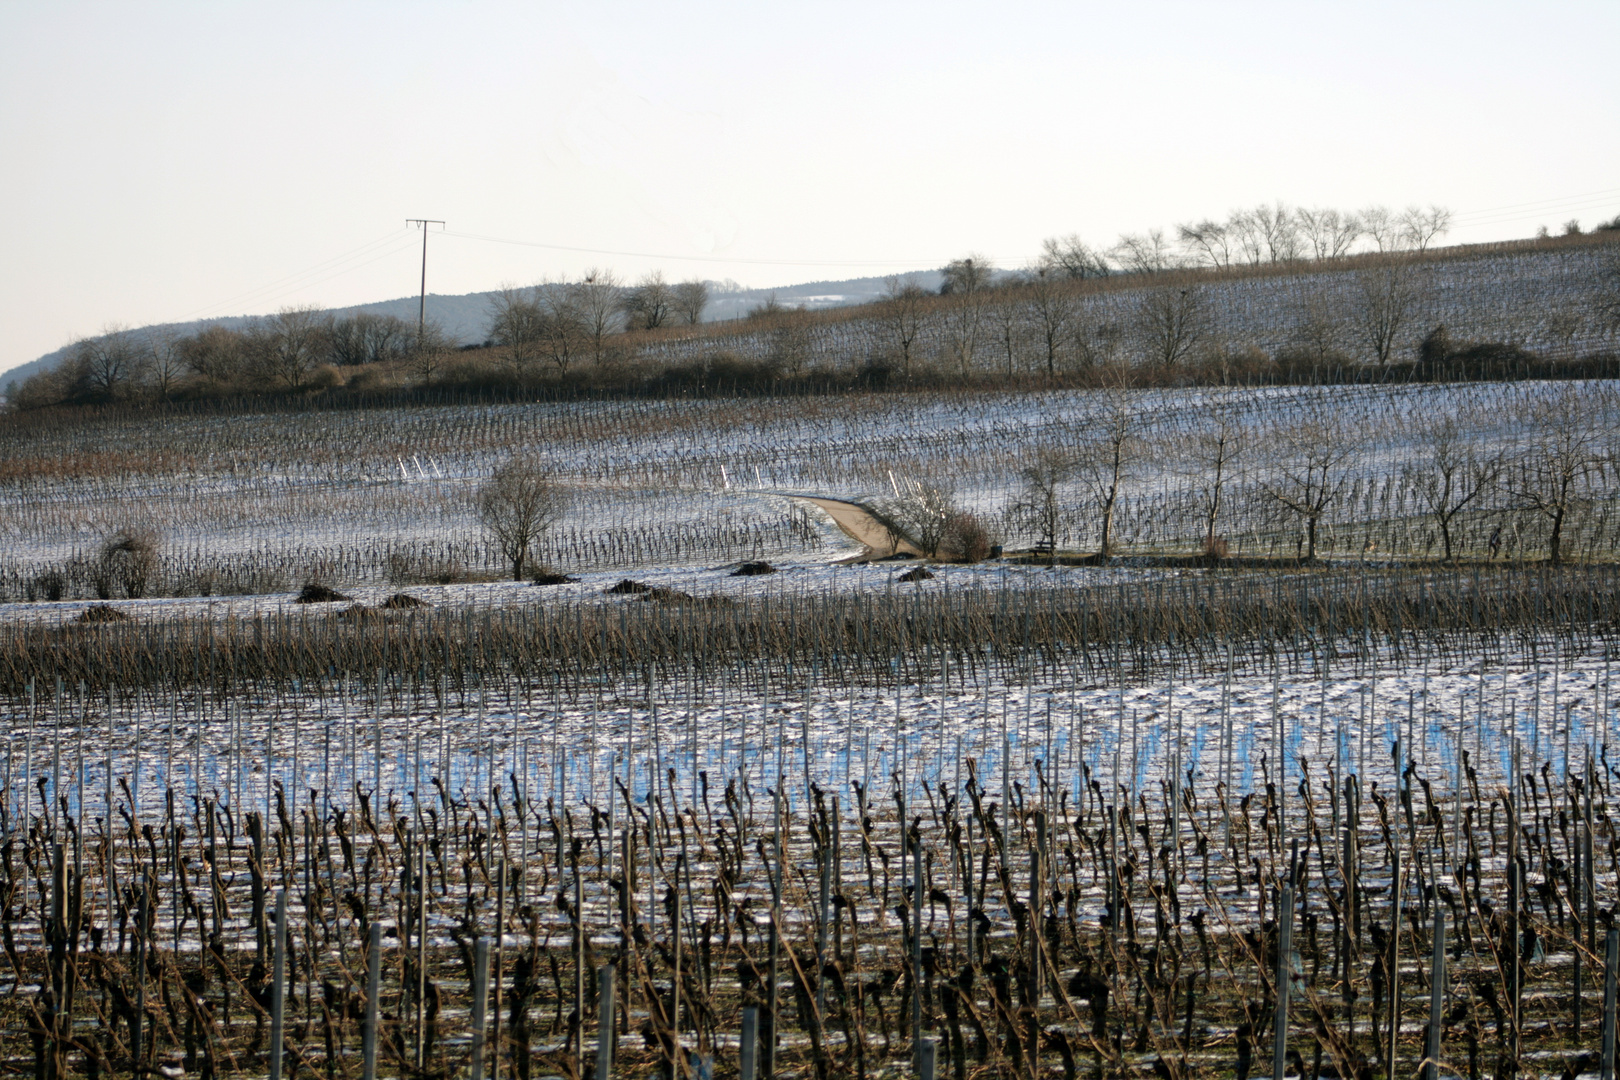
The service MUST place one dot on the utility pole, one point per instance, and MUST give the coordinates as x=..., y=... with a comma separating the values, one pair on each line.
x=421, y=309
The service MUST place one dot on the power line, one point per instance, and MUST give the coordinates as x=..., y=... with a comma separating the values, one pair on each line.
x=389, y=245
x=693, y=258
x=391, y=241
x=1540, y=205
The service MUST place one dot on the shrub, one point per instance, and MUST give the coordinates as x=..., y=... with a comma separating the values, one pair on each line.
x=47, y=586
x=128, y=562
x=967, y=538
x=422, y=568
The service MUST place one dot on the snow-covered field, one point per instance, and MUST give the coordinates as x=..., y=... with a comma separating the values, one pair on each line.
x=266, y=502
x=1039, y=742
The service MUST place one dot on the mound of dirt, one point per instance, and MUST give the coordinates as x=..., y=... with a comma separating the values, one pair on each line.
x=753, y=569
x=101, y=613
x=359, y=613
x=316, y=593
x=920, y=573
x=627, y=586
x=662, y=595
x=402, y=600
x=552, y=577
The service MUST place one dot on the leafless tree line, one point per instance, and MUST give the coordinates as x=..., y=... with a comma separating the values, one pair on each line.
x=1305, y=467
x=564, y=322
x=298, y=348
x=304, y=348
x=1038, y=322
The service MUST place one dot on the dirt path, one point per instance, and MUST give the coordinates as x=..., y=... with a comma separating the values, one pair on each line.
x=858, y=523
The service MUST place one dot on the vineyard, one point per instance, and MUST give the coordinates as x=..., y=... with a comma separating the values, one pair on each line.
x=1100, y=836
x=267, y=502
x=314, y=792
x=1545, y=302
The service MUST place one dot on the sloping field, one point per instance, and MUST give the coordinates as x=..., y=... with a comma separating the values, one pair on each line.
x=1545, y=301
x=262, y=502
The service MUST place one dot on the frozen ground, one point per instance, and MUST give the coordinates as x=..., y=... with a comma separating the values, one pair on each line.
x=339, y=495
x=1553, y=708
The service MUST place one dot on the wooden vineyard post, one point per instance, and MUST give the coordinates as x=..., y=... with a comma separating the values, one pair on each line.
x=746, y=1053
x=604, y=1024
x=1611, y=960
x=373, y=989
x=278, y=984
x=480, y=1005
x=1437, y=997
x=677, y=1053
x=1036, y=972
x=1394, y=956
x=768, y=1065
x=579, y=950
x=1285, y=945
x=137, y=1034
x=918, y=898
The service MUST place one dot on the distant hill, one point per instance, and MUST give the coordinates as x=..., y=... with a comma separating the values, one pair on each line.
x=465, y=318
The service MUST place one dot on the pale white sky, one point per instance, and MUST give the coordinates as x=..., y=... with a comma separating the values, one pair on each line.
x=165, y=161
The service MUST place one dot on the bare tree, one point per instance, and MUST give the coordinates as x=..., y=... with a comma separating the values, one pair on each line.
x=1096, y=340
x=165, y=363
x=1072, y=257
x=1451, y=477
x=1566, y=322
x=516, y=506
x=1208, y=242
x=1560, y=456
x=1052, y=308
x=1329, y=232
x=367, y=338
x=1420, y=227
x=791, y=342
x=1217, y=448
x=966, y=281
x=292, y=345
x=903, y=311
x=1246, y=236
x=1007, y=317
x=1379, y=223
x=430, y=351
x=1041, y=507
x=924, y=514
x=1106, y=462
x=1319, y=327
x=214, y=353
x=1170, y=322
x=109, y=366
x=1388, y=297
x=515, y=325
x=599, y=303
x=1144, y=253
x=689, y=298
x=1608, y=297
x=562, y=333
x=966, y=276
x=648, y=304
x=1279, y=231
x=1310, y=470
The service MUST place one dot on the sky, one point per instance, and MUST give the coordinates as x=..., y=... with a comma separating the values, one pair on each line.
x=164, y=161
